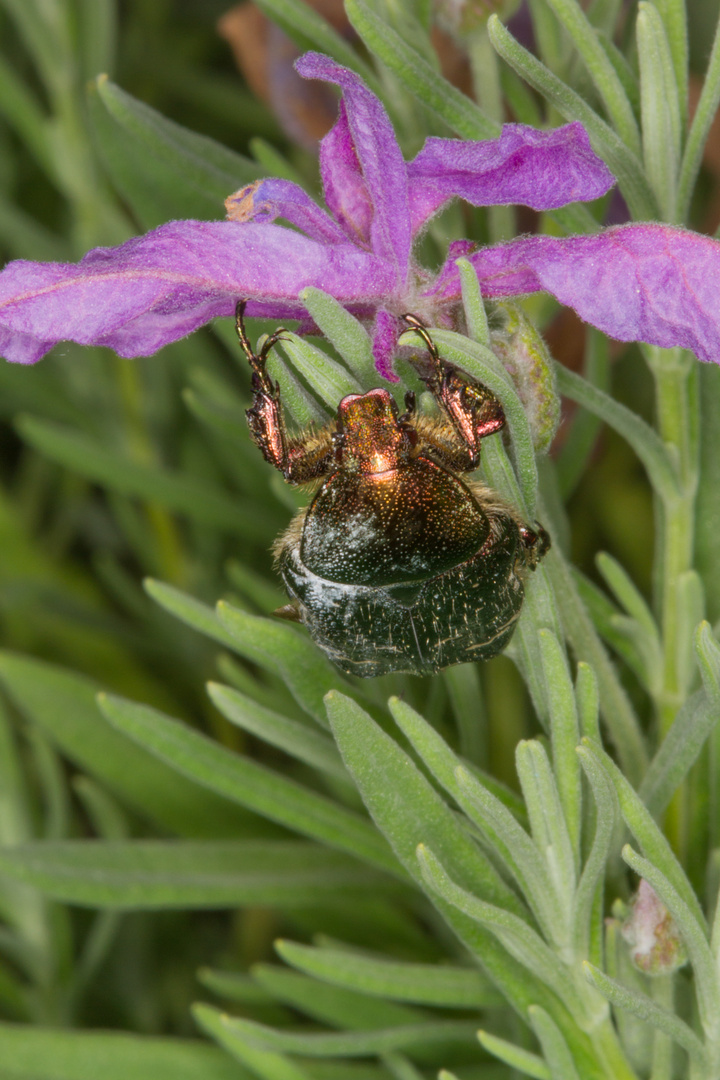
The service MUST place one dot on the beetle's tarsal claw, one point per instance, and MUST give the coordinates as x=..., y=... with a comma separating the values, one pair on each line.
x=289, y=611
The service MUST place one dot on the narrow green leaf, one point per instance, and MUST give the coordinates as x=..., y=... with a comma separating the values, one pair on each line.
x=617, y=712
x=660, y=105
x=549, y=829
x=708, y=652
x=422, y=984
x=645, y=1008
x=348, y=1044
x=421, y=79
x=408, y=810
x=89, y=458
x=641, y=437
x=309, y=30
x=330, y=381
x=473, y=304
x=596, y=863
x=678, y=752
x=574, y=20
x=63, y=706
x=674, y=16
x=294, y=738
x=344, y=332
x=248, y=783
x=588, y=701
x=87, y=1055
x=148, y=874
x=645, y=830
x=515, y=1057
x=338, y=1007
x=704, y=115
x=162, y=169
x=564, y=734
x=189, y=610
x=495, y=821
x=627, y=593
x=286, y=653
x=555, y=1049
x=262, y=1064
x=521, y=941
x=619, y=158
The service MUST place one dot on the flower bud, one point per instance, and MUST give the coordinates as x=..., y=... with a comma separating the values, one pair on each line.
x=656, y=947
x=525, y=357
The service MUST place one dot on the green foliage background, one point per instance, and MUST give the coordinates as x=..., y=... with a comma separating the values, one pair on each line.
x=352, y=877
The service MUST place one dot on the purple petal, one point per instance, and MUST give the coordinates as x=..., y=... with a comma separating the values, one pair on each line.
x=385, y=339
x=265, y=200
x=365, y=131
x=346, y=192
x=644, y=282
x=156, y=288
x=541, y=169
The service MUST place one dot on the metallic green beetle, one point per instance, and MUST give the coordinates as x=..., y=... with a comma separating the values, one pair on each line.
x=397, y=564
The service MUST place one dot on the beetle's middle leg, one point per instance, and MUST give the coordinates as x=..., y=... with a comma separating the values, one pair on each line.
x=473, y=411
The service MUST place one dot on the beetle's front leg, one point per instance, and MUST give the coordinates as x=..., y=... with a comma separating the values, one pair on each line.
x=298, y=460
x=472, y=409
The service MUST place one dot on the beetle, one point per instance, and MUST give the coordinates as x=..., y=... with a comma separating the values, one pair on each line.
x=397, y=564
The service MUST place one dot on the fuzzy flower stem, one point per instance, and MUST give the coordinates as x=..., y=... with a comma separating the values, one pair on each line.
x=677, y=418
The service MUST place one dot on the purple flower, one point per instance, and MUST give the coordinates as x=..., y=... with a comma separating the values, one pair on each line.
x=647, y=282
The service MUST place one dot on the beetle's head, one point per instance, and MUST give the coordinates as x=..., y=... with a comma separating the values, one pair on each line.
x=371, y=438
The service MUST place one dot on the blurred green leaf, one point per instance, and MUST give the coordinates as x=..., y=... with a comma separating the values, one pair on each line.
x=294, y=738
x=248, y=783
x=34, y=1052
x=63, y=706
x=163, y=170
x=185, y=495
x=146, y=874
x=423, y=984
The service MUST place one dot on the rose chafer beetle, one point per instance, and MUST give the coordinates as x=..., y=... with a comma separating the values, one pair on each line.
x=397, y=564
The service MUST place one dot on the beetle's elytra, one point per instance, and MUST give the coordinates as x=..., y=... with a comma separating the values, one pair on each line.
x=397, y=564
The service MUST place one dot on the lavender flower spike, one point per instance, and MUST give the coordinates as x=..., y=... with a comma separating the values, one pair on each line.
x=157, y=288
x=648, y=282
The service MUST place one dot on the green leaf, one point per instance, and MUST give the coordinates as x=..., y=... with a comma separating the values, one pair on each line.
x=34, y=1052
x=549, y=830
x=617, y=106
x=329, y=380
x=515, y=1057
x=344, y=332
x=645, y=830
x=343, y=1044
x=597, y=860
x=248, y=783
x=408, y=810
x=555, y=1049
x=192, y=612
x=147, y=874
x=645, y=1008
x=660, y=105
x=564, y=735
x=192, y=498
x=63, y=706
x=309, y=30
x=417, y=74
x=704, y=115
x=338, y=1007
x=678, y=752
x=646, y=443
x=422, y=984
x=619, y=158
x=285, y=653
x=162, y=169
x=294, y=738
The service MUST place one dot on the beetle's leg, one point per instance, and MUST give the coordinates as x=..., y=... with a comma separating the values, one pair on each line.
x=297, y=459
x=472, y=409
x=536, y=543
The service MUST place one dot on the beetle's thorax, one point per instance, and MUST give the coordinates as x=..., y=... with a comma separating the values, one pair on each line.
x=371, y=439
